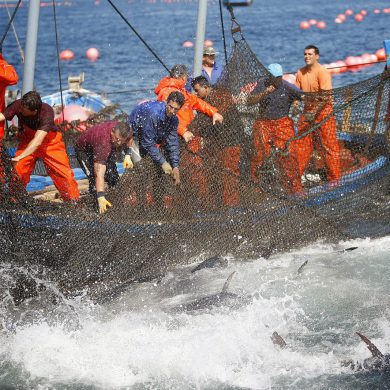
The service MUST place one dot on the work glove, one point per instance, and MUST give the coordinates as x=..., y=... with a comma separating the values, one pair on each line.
x=127, y=163
x=103, y=203
x=166, y=167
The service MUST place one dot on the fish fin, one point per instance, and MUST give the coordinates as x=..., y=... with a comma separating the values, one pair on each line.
x=228, y=280
x=300, y=269
x=371, y=346
x=278, y=340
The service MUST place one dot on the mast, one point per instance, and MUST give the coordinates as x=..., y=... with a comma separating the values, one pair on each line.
x=200, y=36
x=31, y=46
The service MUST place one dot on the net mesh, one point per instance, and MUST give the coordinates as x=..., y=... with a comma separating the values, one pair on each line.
x=252, y=186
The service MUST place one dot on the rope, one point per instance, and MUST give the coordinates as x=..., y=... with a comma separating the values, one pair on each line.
x=58, y=57
x=139, y=36
x=21, y=52
x=9, y=23
x=223, y=31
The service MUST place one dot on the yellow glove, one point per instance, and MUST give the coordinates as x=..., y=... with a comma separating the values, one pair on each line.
x=127, y=163
x=103, y=204
x=166, y=167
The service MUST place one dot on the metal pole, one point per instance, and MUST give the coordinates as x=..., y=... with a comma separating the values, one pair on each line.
x=200, y=35
x=31, y=46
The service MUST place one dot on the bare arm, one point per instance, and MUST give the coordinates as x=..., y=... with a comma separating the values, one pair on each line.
x=33, y=145
x=100, y=171
x=2, y=117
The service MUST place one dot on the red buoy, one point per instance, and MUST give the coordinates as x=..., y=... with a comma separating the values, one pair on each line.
x=321, y=24
x=187, y=44
x=66, y=55
x=380, y=54
x=349, y=12
x=208, y=43
x=304, y=25
x=92, y=54
x=359, y=17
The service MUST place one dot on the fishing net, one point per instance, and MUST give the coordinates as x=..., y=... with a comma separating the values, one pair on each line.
x=255, y=185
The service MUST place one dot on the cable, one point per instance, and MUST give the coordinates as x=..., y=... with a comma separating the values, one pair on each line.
x=9, y=23
x=21, y=52
x=139, y=36
x=58, y=57
x=223, y=31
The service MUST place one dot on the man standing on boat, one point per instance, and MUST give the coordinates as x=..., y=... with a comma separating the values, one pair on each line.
x=8, y=76
x=39, y=138
x=314, y=77
x=275, y=128
x=210, y=68
x=96, y=151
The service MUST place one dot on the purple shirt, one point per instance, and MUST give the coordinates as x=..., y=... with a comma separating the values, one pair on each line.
x=97, y=141
x=43, y=120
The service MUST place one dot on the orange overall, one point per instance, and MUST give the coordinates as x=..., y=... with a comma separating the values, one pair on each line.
x=52, y=151
x=276, y=132
x=8, y=76
x=316, y=79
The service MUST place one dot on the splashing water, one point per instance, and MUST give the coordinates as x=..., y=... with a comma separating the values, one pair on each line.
x=139, y=340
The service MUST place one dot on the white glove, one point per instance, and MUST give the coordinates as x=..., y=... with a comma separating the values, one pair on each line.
x=166, y=167
x=127, y=163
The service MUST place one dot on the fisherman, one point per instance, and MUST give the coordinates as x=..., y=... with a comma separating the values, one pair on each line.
x=155, y=126
x=210, y=68
x=227, y=139
x=39, y=138
x=96, y=150
x=176, y=81
x=275, y=128
x=314, y=77
x=8, y=76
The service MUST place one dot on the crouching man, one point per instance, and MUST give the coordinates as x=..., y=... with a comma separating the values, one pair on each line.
x=96, y=150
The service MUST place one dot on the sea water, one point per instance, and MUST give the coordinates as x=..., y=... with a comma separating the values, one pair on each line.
x=139, y=340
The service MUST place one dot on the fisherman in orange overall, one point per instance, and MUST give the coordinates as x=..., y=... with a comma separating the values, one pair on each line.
x=316, y=78
x=8, y=76
x=275, y=128
x=39, y=138
x=228, y=140
x=176, y=81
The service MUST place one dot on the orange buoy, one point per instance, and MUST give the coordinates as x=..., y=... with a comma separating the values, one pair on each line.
x=304, y=25
x=66, y=55
x=359, y=17
x=341, y=66
x=342, y=17
x=338, y=21
x=321, y=24
x=349, y=12
x=187, y=44
x=92, y=54
x=313, y=22
x=208, y=43
x=380, y=54
x=363, y=12
x=377, y=11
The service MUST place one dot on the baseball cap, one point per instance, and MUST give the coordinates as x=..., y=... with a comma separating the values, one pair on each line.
x=210, y=51
x=275, y=69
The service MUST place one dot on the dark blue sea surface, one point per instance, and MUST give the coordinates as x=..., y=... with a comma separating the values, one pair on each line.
x=128, y=72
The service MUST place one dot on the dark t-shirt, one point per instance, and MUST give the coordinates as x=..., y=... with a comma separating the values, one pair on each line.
x=97, y=141
x=43, y=120
x=277, y=104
